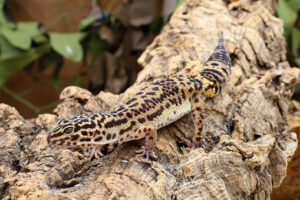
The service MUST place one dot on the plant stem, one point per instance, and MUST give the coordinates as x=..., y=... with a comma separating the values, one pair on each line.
x=48, y=106
x=21, y=99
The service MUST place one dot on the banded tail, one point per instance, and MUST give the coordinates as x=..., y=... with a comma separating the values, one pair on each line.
x=216, y=71
x=220, y=54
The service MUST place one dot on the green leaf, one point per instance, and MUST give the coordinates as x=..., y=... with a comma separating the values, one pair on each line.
x=294, y=4
x=3, y=20
x=179, y=2
x=68, y=45
x=287, y=14
x=297, y=60
x=85, y=23
x=156, y=25
x=40, y=39
x=7, y=50
x=29, y=28
x=10, y=66
x=17, y=38
x=95, y=46
x=295, y=39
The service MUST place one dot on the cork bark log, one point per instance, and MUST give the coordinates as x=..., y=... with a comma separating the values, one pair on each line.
x=247, y=144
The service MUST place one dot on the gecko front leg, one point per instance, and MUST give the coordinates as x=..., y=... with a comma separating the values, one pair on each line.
x=198, y=110
x=96, y=151
x=150, y=135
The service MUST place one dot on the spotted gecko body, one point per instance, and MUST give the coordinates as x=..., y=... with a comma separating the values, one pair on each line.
x=154, y=106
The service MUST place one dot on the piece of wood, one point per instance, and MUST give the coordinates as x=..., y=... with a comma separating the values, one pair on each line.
x=247, y=141
x=289, y=189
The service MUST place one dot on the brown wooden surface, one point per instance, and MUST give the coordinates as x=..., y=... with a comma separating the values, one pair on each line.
x=247, y=144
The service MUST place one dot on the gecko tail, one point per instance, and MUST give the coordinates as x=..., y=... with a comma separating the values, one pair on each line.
x=216, y=70
x=220, y=53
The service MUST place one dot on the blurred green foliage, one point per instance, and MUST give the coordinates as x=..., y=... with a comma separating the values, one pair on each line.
x=17, y=45
x=22, y=43
x=288, y=11
x=68, y=45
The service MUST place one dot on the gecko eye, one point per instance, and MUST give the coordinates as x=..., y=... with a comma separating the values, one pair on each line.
x=68, y=130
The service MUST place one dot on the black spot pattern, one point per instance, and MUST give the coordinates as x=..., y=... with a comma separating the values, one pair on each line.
x=147, y=105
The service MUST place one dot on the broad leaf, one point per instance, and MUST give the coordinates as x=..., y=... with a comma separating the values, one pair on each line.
x=7, y=50
x=68, y=45
x=29, y=28
x=17, y=38
x=287, y=14
x=297, y=60
x=40, y=39
x=294, y=4
x=85, y=23
x=2, y=18
x=295, y=39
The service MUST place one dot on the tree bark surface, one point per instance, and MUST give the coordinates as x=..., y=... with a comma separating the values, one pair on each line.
x=247, y=143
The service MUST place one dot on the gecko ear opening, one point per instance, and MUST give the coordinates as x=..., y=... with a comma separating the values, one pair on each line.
x=68, y=130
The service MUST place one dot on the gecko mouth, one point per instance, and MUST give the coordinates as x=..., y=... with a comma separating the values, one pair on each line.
x=50, y=141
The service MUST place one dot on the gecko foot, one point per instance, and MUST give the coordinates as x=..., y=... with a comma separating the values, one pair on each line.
x=144, y=152
x=96, y=151
x=150, y=135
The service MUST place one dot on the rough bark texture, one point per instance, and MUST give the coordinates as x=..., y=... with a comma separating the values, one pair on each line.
x=290, y=188
x=247, y=143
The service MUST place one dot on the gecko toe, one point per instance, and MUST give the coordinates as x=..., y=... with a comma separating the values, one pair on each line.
x=96, y=152
x=148, y=153
x=141, y=152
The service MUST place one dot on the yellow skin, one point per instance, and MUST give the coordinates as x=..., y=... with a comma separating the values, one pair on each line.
x=155, y=106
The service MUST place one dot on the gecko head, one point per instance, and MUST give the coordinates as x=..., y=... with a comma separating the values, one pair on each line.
x=62, y=134
x=74, y=132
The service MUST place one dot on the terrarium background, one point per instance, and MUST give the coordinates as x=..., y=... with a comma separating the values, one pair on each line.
x=110, y=48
